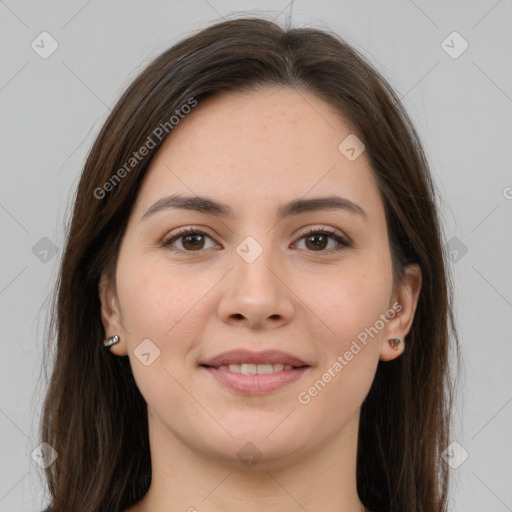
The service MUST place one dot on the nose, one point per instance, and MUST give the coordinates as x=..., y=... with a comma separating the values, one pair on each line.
x=255, y=294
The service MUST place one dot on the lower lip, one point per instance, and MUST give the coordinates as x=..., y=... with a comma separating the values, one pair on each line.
x=256, y=384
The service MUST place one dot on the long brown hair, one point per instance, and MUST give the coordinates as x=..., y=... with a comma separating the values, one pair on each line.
x=103, y=459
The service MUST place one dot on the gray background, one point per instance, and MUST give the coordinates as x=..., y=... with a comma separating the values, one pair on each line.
x=52, y=108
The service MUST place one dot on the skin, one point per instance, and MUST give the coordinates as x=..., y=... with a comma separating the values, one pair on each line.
x=255, y=151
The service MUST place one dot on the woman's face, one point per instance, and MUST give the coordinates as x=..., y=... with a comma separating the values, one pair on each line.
x=255, y=280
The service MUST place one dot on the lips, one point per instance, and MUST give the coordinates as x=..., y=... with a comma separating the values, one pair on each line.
x=243, y=356
x=255, y=373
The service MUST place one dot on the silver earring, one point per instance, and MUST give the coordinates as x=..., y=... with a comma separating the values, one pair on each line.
x=111, y=341
x=394, y=342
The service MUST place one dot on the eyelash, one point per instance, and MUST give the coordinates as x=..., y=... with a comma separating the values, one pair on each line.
x=343, y=242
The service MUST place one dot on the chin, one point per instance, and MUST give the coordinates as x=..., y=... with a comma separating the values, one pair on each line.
x=257, y=445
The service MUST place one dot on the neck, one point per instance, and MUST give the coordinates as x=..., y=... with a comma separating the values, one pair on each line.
x=184, y=480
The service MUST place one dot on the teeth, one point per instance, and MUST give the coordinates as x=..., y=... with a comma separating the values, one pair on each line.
x=252, y=369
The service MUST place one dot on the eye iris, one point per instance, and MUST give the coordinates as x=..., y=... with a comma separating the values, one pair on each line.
x=194, y=236
x=322, y=244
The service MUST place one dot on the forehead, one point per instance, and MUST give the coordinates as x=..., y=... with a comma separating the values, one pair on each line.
x=260, y=124
x=257, y=148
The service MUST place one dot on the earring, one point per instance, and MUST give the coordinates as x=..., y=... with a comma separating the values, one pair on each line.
x=394, y=342
x=111, y=341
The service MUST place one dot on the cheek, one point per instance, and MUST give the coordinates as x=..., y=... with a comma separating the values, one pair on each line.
x=161, y=304
x=350, y=301
x=157, y=297
x=351, y=308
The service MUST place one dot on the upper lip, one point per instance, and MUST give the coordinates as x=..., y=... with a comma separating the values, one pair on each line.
x=239, y=356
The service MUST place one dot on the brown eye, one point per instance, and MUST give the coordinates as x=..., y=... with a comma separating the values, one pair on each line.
x=317, y=240
x=192, y=240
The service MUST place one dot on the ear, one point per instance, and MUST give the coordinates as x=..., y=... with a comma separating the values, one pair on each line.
x=111, y=315
x=403, y=304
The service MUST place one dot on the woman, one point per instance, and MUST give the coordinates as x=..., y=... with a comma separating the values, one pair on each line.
x=253, y=308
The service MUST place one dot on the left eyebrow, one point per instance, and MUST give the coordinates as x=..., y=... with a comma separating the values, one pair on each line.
x=209, y=206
